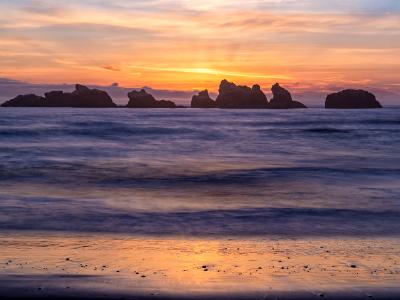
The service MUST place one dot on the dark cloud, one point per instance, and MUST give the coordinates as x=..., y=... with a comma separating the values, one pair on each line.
x=111, y=68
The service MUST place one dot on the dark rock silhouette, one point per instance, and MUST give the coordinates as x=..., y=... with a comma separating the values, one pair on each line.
x=352, y=99
x=282, y=99
x=81, y=97
x=259, y=99
x=234, y=96
x=60, y=99
x=30, y=100
x=142, y=99
x=203, y=100
x=92, y=97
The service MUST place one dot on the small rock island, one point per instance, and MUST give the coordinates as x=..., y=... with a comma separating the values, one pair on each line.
x=282, y=99
x=352, y=99
x=243, y=97
x=81, y=97
x=142, y=99
x=238, y=96
x=203, y=100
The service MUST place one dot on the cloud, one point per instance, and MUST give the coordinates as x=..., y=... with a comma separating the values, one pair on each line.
x=112, y=68
x=43, y=8
x=187, y=44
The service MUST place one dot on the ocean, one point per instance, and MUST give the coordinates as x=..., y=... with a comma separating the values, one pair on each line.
x=194, y=172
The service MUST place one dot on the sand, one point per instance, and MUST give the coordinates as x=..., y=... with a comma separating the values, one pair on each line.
x=38, y=264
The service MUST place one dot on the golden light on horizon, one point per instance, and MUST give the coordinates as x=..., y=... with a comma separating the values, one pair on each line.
x=178, y=45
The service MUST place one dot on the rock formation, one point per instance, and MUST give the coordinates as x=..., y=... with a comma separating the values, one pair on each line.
x=234, y=96
x=282, y=99
x=30, y=100
x=91, y=97
x=81, y=97
x=352, y=99
x=59, y=99
x=142, y=99
x=203, y=100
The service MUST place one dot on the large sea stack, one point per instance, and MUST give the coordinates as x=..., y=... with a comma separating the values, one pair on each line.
x=236, y=96
x=142, y=99
x=352, y=99
x=81, y=97
x=282, y=99
x=203, y=100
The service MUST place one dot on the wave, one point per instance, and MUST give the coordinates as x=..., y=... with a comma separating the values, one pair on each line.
x=381, y=121
x=112, y=131
x=120, y=174
x=49, y=214
x=327, y=130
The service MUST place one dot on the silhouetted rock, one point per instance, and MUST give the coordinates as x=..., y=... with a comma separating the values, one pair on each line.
x=258, y=98
x=352, y=99
x=30, y=100
x=203, y=100
x=81, y=97
x=282, y=99
x=92, y=97
x=142, y=99
x=234, y=96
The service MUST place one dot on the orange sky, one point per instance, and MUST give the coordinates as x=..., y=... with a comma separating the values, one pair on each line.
x=184, y=45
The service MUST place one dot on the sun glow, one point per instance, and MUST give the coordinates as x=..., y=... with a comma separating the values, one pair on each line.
x=180, y=44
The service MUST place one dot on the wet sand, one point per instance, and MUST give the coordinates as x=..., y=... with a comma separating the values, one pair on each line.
x=40, y=265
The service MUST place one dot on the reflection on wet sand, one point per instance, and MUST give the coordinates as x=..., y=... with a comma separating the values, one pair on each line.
x=37, y=264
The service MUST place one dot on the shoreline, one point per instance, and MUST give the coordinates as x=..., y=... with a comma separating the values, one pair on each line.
x=96, y=266
x=383, y=294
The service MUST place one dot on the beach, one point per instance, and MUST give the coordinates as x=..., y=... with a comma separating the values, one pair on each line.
x=105, y=266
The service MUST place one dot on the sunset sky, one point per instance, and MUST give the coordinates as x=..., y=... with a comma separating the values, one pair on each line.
x=311, y=46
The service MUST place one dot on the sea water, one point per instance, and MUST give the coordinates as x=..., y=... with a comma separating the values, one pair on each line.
x=201, y=172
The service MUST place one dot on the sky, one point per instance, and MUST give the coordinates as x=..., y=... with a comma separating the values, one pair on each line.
x=175, y=47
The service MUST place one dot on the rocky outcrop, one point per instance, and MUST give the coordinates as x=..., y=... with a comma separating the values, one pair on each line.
x=30, y=100
x=236, y=96
x=203, y=100
x=142, y=99
x=60, y=99
x=282, y=99
x=81, y=97
x=91, y=97
x=352, y=99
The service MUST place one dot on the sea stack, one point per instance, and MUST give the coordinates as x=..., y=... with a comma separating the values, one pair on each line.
x=282, y=99
x=142, y=99
x=236, y=96
x=203, y=100
x=29, y=100
x=81, y=97
x=92, y=97
x=352, y=99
